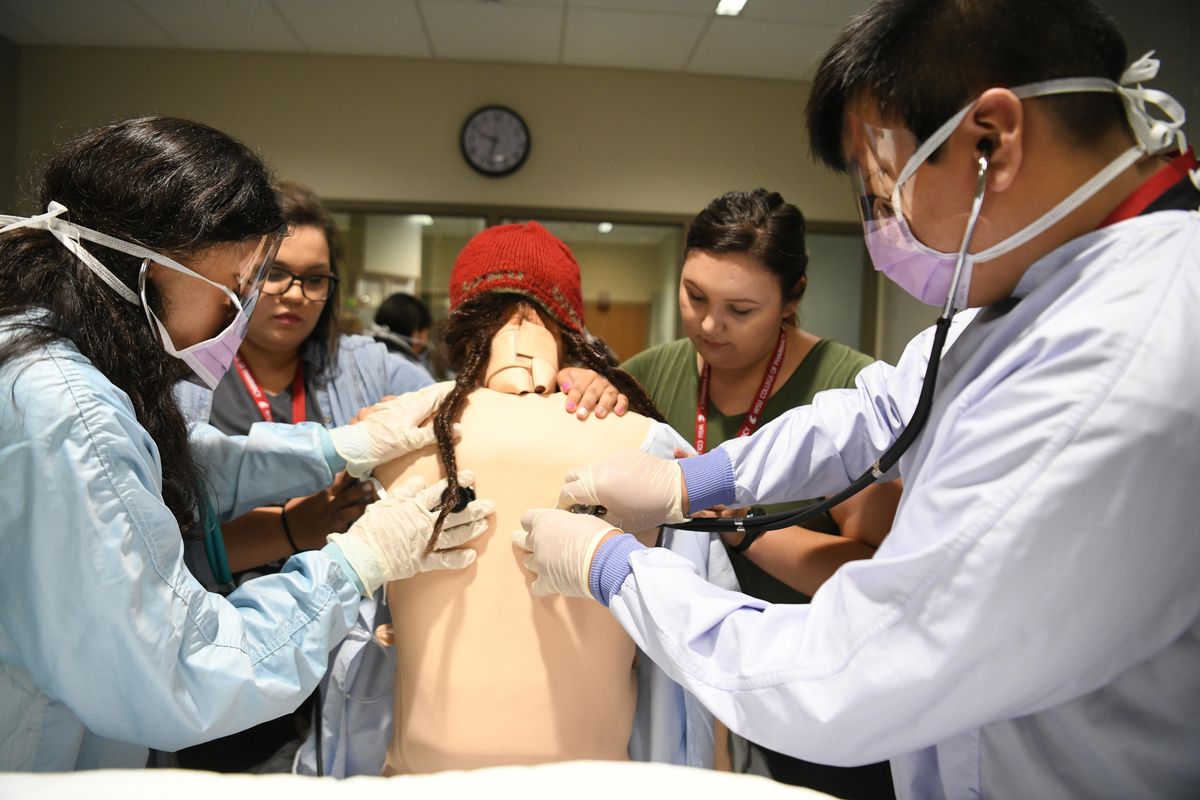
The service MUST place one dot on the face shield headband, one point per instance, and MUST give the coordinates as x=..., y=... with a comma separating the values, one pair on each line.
x=884, y=163
x=210, y=359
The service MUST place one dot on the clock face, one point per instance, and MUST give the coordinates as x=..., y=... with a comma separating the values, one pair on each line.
x=495, y=141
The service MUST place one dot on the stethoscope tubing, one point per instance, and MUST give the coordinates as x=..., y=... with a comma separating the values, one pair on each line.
x=754, y=525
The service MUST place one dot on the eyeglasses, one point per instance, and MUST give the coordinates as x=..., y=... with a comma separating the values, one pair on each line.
x=314, y=287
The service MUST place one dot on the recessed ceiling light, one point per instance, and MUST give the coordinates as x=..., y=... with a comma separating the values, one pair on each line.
x=424, y=220
x=605, y=227
x=730, y=8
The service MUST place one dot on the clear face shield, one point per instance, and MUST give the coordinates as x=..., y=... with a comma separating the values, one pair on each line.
x=882, y=164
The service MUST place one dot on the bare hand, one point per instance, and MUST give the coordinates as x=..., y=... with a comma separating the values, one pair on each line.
x=587, y=390
x=331, y=510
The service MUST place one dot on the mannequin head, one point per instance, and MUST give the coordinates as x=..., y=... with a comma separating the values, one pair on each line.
x=510, y=286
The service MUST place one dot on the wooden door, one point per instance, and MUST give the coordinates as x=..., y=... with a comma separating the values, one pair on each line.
x=625, y=327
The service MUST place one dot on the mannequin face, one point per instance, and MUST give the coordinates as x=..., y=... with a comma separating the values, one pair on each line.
x=731, y=307
x=282, y=322
x=193, y=310
x=525, y=354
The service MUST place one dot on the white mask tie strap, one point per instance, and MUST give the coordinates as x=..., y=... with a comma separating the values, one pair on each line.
x=69, y=235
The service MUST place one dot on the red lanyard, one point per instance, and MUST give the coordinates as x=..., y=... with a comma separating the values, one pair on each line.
x=260, y=397
x=760, y=399
x=1153, y=188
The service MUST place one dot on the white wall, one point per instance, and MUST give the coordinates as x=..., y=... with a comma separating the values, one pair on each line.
x=832, y=304
x=387, y=129
x=392, y=246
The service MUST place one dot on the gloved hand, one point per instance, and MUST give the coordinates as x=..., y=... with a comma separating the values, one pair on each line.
x=561, y=546
x=388, y=542
x=637, y=490
x=389, y=429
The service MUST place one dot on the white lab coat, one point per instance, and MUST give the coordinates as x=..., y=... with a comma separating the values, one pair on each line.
x=1030, y=626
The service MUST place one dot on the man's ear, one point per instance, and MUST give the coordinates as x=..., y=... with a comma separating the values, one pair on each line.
x=997, y=123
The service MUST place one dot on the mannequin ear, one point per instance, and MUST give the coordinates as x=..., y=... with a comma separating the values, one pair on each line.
x=997, y=124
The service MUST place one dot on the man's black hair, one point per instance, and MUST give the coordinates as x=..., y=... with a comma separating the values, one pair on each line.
x=919, y=61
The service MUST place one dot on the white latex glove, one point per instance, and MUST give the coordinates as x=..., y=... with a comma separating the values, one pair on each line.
x=561, y=546
x=389, y=429
x=637, y=490
x=388, y=542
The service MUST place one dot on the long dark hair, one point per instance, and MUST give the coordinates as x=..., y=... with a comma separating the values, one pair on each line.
x=467, y=345
x=170, y=185
x=762, y=225
x=302, y=208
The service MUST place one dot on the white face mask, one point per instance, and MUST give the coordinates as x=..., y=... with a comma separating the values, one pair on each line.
x=208, y=360
x=925, y=272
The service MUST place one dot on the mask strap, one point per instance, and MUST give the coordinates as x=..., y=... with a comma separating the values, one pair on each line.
x=1153, y=135
x=932, y=143
x=1067, y=205
x=69, y=234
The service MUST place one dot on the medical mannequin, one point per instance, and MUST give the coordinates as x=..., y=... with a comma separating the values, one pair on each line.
x=486, y=673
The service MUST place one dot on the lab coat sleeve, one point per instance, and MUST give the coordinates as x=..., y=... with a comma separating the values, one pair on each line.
x=835, y=439
x=97, y=604
x=271, y=464
x=1029, y=565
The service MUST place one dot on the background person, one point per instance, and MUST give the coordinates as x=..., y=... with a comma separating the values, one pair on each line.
x=293, y=366
x=742, y=281
x=403, y=327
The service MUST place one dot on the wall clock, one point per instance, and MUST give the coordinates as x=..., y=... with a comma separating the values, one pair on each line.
x=495, y=141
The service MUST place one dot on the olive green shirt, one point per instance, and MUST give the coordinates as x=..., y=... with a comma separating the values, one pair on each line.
x=668, y=374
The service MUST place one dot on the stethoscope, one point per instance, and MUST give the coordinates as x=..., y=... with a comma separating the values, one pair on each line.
x=754, y=525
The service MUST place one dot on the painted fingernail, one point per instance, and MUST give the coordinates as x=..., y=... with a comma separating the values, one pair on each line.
x=583, y=412
x=570, y=405
x=600, y=412
x=566, y=387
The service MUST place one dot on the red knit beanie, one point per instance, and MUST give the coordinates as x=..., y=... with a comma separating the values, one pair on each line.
x=520, y=259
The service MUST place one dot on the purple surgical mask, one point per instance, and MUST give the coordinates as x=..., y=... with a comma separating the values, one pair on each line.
x=210, y=359
x=921, y=271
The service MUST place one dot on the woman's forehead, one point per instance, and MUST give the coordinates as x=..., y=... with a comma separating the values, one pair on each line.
x=736, y=275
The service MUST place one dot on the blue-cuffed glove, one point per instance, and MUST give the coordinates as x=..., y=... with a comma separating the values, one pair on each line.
x=561, y=546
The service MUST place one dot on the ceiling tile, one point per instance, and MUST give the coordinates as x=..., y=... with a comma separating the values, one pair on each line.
x=17, y=29
x=696, y=7
x=108, y=23
x=476, y=31
x=630, y=40
x=222, y=24
x=834, y=13
x=539, y=3
x=366, y=27
x=762, y=49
